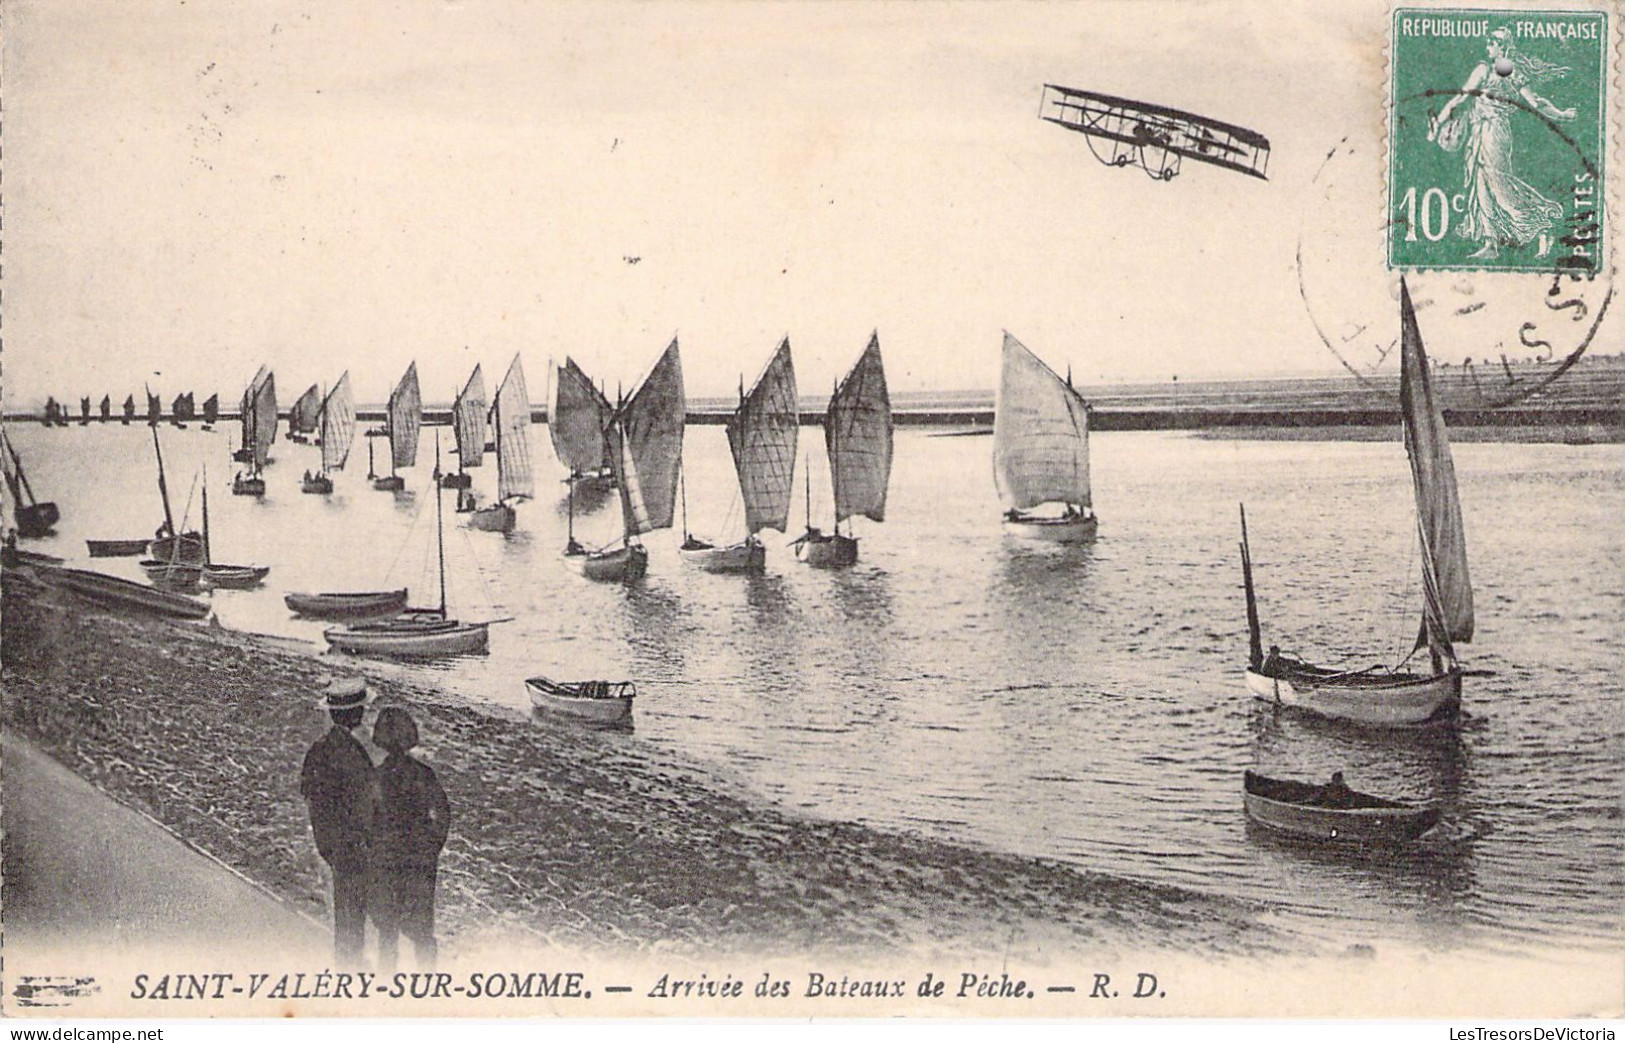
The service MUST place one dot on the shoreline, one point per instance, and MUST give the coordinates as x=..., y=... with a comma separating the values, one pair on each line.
x=565, y=837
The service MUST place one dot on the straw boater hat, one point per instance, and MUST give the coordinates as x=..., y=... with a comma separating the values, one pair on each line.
x=344, y=693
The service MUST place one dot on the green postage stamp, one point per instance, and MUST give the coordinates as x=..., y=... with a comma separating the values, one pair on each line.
x=1497, y=140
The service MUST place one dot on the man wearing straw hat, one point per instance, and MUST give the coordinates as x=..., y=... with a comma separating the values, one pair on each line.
x=340, y=786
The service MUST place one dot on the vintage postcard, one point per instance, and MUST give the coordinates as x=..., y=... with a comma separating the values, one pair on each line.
x=811, y=509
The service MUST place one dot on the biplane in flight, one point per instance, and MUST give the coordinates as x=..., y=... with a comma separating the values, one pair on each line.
x=1152, y=137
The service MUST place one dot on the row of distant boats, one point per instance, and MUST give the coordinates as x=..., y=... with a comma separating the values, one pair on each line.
x=182, y=411
x=1041, y=468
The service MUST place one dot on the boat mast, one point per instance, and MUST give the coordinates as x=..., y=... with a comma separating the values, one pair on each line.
x=682, y=489
x=1255, y=642
x=206, y=556
x=439, y=524
x=496, y=415
x=17, y=464
x=834, y=471
x=163, y=487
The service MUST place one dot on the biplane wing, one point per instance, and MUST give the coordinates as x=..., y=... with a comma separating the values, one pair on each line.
x=1153, y=137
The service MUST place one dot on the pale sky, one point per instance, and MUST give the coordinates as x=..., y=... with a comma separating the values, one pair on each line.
x=199, y=187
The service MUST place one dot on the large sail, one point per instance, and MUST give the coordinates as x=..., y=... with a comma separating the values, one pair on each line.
x=762, y=434
x=264, y=418
x=155, y=409
x=129, y=407
x=652, y=423
x=1040, y=434
x=576, y=420
x=1447, y=614
x=512, y=414
x=211, y=409
x=634, y=511
x=302, y=417
x=338, y=425
x=246, y=412
x=405, y=416
x=468, y=420
x=857, y=433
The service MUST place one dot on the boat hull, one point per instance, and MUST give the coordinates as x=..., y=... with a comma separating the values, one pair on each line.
x=347, y=605
x=746, y=556
x=316, y=484
x=112, y=590
x=828, y=552
x=410, y=640
x=116, y=548
x=566, y=700
x=391, y=484
x=1405, y=700
x=37, y=519
x=1391, y=823
x=235, y=577
x=241, y=486
x=1074, y=529
x=496, y=518
x=172, y=575
x=622, y=565
x=458, y=480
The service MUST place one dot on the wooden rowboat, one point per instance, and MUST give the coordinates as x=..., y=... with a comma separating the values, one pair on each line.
x=1333, y=812
x=112, y=590
x=361, y=604
x=621, y=565
x=172, y=575
x=235, y=577
x=117, y=548
x=422, y=636
x=602, y=702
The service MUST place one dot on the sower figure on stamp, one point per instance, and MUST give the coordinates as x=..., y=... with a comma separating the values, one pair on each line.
x=340, y=786
x=414, y=817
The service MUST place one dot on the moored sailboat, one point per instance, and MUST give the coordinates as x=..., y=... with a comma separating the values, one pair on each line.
x=155, y=410
x=468, y=426
x=1380, y=695
x=215, y=574
x=420, y=633
x=106, y=408
x=33, y=517
x=510, y=416
x=84, y=411
x=129, y=410
x=646, y=444
x=402, y=420
x=211, y=412
x=1041, y=450
x=762, y=435
x=259, y=431
x=858, y=437
x=185, y=547
x=336, y=423
x=578, y=420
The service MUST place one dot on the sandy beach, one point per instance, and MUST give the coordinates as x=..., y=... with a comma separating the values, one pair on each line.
x=564, y=836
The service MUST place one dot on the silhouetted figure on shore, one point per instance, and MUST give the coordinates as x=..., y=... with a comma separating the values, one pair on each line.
x=340, y=786
x=414, y=817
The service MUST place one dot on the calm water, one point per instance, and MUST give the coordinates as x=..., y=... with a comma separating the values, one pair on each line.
x=1081, y=704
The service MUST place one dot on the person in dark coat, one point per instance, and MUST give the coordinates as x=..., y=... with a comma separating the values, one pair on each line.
x=414, y=817
x=340, y=786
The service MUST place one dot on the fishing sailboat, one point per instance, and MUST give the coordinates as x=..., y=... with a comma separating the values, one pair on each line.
x=468, y=426
x=302, y=417
x=211, y=412
x=106, y=408
x=858, y=436
x=578, y=419
x=259, y=431
x=84, y=411
x=129, y=410
x=762, y=437
x=420, y=633
x=182, y=410
x=646, y=446
x=155, y=409
x=510, y=420
x=336, y=422
x=1041, y=450
x=233, y=577
x=168, y=546
x=404, y=417
x=1381, y=695
x=49, y=419
x=33, y=517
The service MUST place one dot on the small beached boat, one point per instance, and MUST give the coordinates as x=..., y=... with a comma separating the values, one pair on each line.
x=858, y=437
x=762, y=437
x=173, y=575
x=1333, y=812
x=361, y=604
x=403, y=419
x=1382, y=695
x=33, y=518
x=602, y=702
x=116, y=548
x=1041, y=451
x=510, y=420
x=112, y=590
